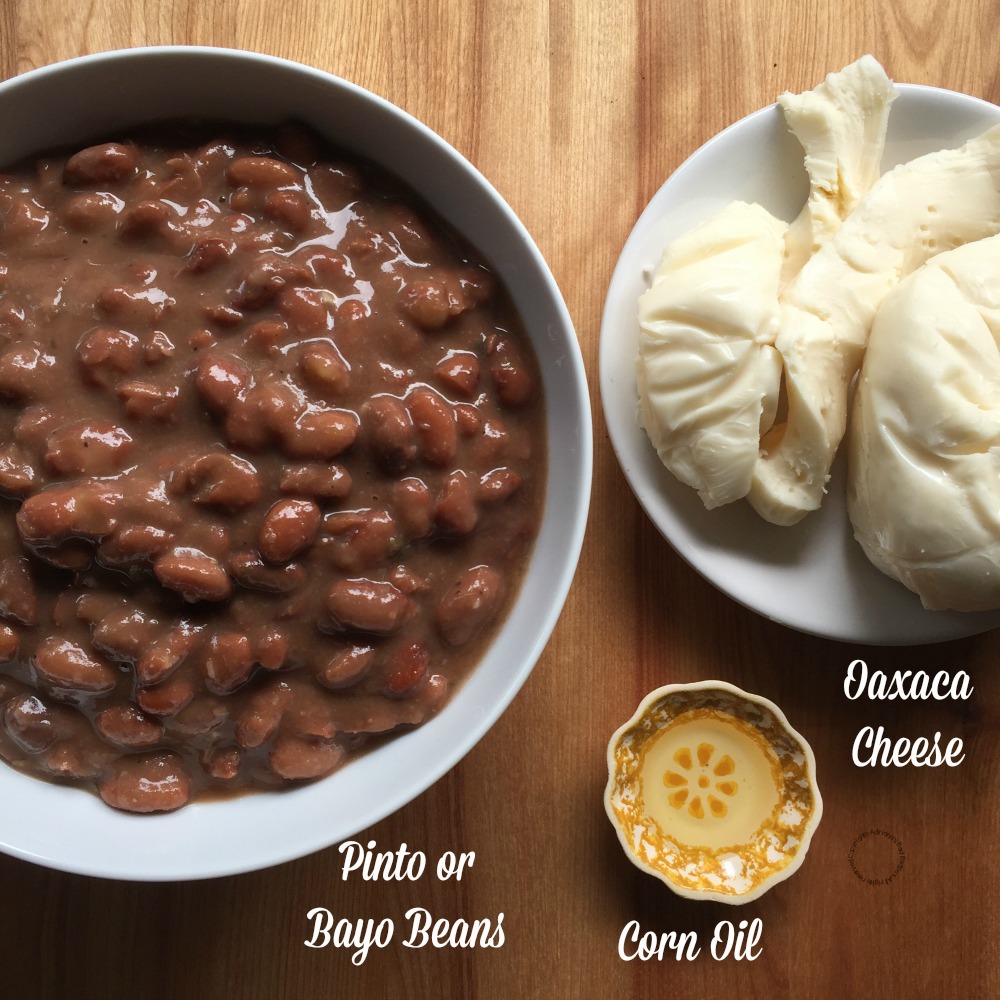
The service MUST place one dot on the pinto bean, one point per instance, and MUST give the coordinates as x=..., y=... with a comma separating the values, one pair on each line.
x=321, y=433
x=458, y=371
x=92, y=211
x=258, y=721
x=325, y=480
x=88, y=509
x=134, y=544
x=497, y=485
x=221, y=763
x=219, y=479
x=297, y=759
x=161, y=657
x=208, y=254
x=30, y=723
x=289, y=527
x=167, y=698
x=124, y=634
x=469, y=605
x=126, y=726
x=368, y=606
x=405, y=666
x=434, y=420
x=357, y=540
x=195, y=575
x=106, y=354
x=107, y=163
x=148, y=401
x=18, y=597
x=88, y=448
x=18, y=477
x=431, y=302
x=347, y=666
x=261, y=172
x=515, y=385
x=9, y=643
x=270, y=647
x=221, y=379
x=391, y=432
x=66, y=666
x=147, y=784
x=411, y=500
x=289, y=209
x=323, y=367
x=229, y=662
x=23, y=369
x=250, y=571
x=455, y=512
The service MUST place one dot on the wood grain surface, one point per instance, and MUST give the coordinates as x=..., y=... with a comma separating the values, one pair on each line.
x=577, y=112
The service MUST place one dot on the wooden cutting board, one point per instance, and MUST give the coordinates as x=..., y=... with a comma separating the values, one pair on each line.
x=577, y=112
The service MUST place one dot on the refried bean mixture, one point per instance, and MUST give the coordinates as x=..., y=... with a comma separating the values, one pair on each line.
x=271, y=462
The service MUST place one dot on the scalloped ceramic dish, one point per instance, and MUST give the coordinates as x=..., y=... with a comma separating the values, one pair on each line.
x=712, y=791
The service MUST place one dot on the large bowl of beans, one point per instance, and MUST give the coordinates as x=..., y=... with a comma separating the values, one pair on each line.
x=294, y=461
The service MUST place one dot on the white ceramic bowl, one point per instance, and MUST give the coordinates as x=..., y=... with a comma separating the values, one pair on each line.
x=71, y=829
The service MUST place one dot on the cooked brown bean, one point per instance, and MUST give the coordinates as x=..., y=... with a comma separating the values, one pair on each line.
x=323, y=368
x=143, y=306
x=264, y=281
x=134, y=544
x=288, y=528
x=250, y=571
x=167, y=698
x=270, y=647
x=147, y=784
x=434, y=420
x=368, y=606
x=18, y=596
x=145, y=218
x=430, y=303
x=321, y=433
x=161, y=657
x=391, y=432
x=219, y=479
x=357, y=540
x=296, y=759
x=88, y=448
x=92, y=210
x=30, y=723
x=261, y=172
x=124, y=634
x=18, y=477
x=325, y=480
x=229, y=662
x=209, y=253
x=458, y=371
x=405, y=666
x=222, y=379
x=469, y=605
x=304, y=310
x=346, y=666
x=106, y=354
x=148, y=401
x=455, y=512
x=259, y=719
x=514, y=383
x=65, y=665
x=68, y=761
x=89, y=509
x=126, y=726
x=289, y=209
x=9, y=643
x=498, y=484
x=23, y=370
x=411, y=500
x=107, y=163
x=193, y=574
x=223, y=764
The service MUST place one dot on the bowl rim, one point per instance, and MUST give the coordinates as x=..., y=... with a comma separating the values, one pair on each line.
x=572, y=520
x=800, y=850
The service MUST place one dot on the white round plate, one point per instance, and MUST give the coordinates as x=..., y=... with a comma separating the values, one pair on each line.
x=813, y=576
